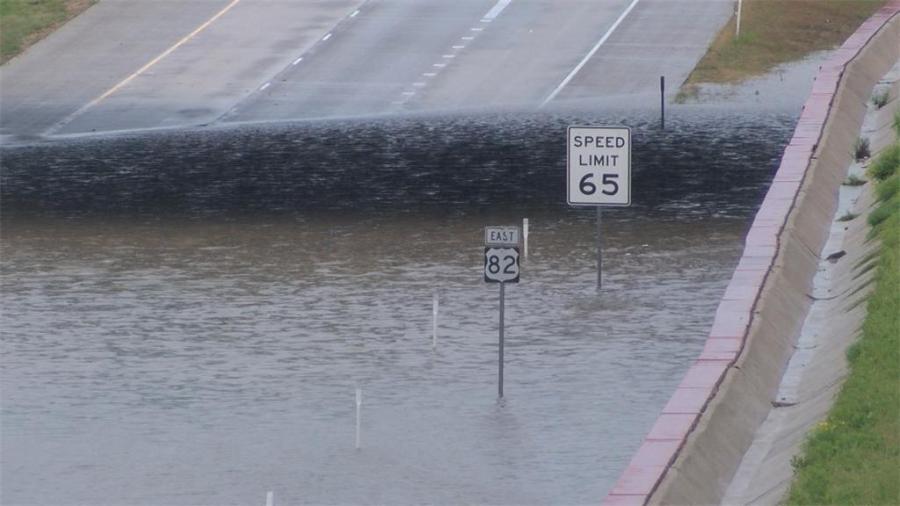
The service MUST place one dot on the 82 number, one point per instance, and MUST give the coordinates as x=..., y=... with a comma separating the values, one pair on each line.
x=494, y=264
x=501, y=264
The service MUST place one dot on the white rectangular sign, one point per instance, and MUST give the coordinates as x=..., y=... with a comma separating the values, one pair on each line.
x=598, y=166
x=501, y=236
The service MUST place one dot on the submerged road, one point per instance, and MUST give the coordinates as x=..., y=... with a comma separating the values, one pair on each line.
x=136, y=65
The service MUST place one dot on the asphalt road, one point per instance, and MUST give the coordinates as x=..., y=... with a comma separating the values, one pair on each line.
x=136, y=64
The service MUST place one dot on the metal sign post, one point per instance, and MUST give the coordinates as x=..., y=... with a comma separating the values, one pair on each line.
x=501, y=265
x=500, y=354
x=598, y=172
x=662, y=102
x=599, y=246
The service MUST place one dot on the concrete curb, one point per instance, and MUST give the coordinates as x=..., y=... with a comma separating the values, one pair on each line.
x=696, y=444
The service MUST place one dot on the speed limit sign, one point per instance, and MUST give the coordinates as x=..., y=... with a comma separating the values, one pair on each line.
x=501, y=265
x=598, y=163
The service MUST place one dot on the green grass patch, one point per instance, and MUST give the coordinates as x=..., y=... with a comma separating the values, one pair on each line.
x=853, y=457
x=779, y=31
x=24, y=22
x=886, y=164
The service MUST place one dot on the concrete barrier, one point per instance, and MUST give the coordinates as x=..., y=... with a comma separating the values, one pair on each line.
x=694, y=448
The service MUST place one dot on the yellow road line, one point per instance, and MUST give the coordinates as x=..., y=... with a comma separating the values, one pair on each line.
x=68, y=119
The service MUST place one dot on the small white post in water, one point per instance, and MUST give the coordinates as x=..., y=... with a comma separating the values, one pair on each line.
x=434, y=324
x=358, y=405
x=270, y=498
x=525, y=237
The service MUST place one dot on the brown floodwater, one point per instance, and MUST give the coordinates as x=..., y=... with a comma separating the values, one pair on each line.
x=198, y=343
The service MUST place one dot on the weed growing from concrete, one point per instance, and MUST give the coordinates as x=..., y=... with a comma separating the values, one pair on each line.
x=861, y=149
x=854, y=180
x=880, y=99
x=848, y=216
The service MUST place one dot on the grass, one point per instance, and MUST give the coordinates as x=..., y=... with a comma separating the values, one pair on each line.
x=854, y=180
x=774, y=32
x=886, y=163
x=24, y=22
x=848, y=216
x=881, y=99
x=861, y=149
x=853, y=457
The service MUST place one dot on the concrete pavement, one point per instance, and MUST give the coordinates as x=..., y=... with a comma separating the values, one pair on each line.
x=136, y=65
x=88, y=56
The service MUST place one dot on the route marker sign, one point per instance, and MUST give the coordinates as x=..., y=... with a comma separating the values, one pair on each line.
x=501, y=254
x=501, y=265
x=598, y=166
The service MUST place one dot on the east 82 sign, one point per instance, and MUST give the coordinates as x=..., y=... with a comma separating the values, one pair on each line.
x=598, y=166
x=501, y=264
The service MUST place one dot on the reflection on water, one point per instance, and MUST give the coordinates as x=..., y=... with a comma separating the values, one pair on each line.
x=187, y=353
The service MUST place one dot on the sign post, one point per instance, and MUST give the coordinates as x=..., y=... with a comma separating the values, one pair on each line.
x=501, y=265
x=598, y=172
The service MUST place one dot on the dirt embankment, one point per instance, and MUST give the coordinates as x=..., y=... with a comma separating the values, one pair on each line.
x=774, y=33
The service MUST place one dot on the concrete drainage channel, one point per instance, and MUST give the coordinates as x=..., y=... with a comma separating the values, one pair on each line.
x=695, y=448
x=815, y=372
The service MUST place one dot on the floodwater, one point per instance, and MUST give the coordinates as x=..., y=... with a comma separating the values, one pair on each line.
x=186, y=317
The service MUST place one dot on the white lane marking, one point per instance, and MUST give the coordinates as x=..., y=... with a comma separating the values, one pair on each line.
x=429, y=74
x=298, y=60
x=448, y=56
x=408, y=93
x=326, y=37
x=68, y=119
x=354, y=13
x=458, y=47
x=495, y=10
x=419, y=84
x=265, y=86
x=439, y=65
x=476, y=29
x=589, y=55
x=468, y=37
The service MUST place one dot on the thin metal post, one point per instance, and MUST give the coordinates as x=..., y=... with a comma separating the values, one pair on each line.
x=358, y=415
x=599, y=247
x=737, y=29
x=662, y=102
x=525, y=237
x=434, y=324
x=500, y=370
